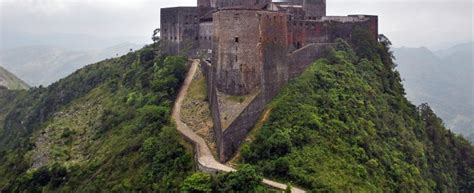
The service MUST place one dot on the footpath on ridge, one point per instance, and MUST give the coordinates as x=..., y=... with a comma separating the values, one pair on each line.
x=205, y=159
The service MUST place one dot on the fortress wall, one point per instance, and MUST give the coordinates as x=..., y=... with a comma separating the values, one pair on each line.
x=272, y=48
x=374, y=25
x=299, y=60
x=294, y=13
x=209, y=72
x=205, y=37
x=342, y=27
x=340, y=30
x=314, y=9
x=239, y=52
x=244, y=3
x=253, y=50
x=180, y=30
x=274, y=44
x=204, y=3
x=302, y=33
x=235, y=52
x=236, y=133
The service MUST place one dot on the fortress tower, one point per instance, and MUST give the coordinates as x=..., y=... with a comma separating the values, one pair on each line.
x=315, y=9
x=249, y=50
x=242, y=3
x=241, y=53
x=180, y=30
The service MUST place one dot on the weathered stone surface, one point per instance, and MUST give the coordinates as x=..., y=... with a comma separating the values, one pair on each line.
x=314, y=8
x=242, y=3
x=240, y=52
x=180, y=30
x=230, y=107
x=249, y=50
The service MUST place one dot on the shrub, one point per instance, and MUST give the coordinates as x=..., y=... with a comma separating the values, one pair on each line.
x=197, y=183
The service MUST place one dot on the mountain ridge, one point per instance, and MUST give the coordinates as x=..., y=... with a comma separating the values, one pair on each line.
x=45, y=64
x=345, y=125
x=107, y=126
x=10, y=81
x=442, y=78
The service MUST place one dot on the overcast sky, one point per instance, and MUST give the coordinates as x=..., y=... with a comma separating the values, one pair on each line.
x=414, y=23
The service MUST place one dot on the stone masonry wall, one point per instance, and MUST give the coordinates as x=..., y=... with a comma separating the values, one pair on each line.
x=254, y=50
x=328, y=29
x=236, y=133
x=209, y=73
x=205, y=38
x=238, y=51
x=272, y=47
x=180, y=30
x=314, y=9
x=242, y=3
x=299, y=60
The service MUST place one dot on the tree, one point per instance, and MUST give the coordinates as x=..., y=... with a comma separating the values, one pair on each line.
x=155, y=37
x=246, y=179
x=197, y=183
x=288, y=188
x=154, y=115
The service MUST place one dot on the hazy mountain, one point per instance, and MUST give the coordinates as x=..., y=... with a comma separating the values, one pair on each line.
x=81, y=127
x=14, y=39
x=10, y=81
x=43, y=65
x=444, y=79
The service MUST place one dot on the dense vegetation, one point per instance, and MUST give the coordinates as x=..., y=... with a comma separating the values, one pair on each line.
x=246, y=179
x=106, y=127
x=346, y=126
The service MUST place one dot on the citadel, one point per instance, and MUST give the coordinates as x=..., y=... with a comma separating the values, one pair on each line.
x=249, y=50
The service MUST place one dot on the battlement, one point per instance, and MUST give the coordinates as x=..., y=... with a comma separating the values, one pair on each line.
x=255, y=47
x=242, y=3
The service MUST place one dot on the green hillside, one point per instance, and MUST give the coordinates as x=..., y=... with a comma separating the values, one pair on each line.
x=346, y=126
x=105, y=128
x=10, y=81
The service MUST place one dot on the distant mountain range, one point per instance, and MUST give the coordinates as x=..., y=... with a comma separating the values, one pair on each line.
x=10, y=81
x=43, y=65
x=444, y=79
x=14, y=39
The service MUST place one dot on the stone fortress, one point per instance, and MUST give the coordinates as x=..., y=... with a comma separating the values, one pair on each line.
x=249, y=50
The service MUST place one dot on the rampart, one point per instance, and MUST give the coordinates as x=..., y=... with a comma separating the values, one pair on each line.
x=180, y=30
x=240, y=53
x=249, y=50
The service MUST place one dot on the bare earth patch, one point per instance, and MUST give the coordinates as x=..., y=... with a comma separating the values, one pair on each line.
x=195, y=112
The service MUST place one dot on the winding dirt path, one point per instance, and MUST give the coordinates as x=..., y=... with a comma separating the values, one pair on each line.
x=203, y=154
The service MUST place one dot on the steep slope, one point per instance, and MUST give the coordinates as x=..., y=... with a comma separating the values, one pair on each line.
x=10, y=81
x=43, y=65
x=346, y=126
x=444, y=79
x=105, y=127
